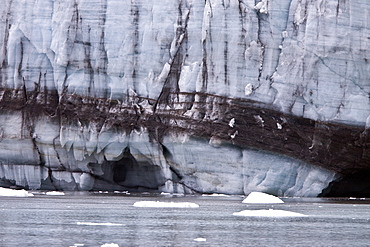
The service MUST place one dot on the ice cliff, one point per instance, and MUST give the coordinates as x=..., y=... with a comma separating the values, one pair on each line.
x=214, y=96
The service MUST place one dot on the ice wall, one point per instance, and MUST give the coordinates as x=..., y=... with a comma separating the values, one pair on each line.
x=180, y=164
x=307, y=58
x=92, y=91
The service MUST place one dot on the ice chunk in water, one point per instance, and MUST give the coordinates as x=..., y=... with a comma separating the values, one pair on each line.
x=268, y=213
x=259, y=197
x=200, y=239
x=110, y=245
x=55, y=193
x=16, y=193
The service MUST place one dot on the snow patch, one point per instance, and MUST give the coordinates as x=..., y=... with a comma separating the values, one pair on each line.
x=233, y=135
x=14, y=193
x=232, y=122
x=259, y=120
x=157, y=204
x=248, y=89
x=260, y=197
x=262, y=7
x=268, y=213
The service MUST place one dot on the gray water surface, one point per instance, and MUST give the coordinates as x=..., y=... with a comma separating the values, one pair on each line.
x=88, y=219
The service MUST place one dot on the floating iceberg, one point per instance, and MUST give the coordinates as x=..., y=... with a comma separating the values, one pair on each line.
x=110, y=245
x=200, y=239
x=15, y=193
x=157, y=204
x=259, y=197
x=268, y=213
x=215, y=195
x=55, y=193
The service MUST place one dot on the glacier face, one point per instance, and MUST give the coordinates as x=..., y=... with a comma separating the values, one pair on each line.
x=225, y=96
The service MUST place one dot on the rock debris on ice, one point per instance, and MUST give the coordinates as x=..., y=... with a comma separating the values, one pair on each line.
x=259, y=197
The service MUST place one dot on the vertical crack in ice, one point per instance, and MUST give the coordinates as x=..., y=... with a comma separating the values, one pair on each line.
x=87, y=63
x=4, y=48
x=260, y=18
x=135, y=15
x=174, y=64
x=57, y=154
x=207, y=15
x=226, y=50
x=243, y=36
x=281, y=46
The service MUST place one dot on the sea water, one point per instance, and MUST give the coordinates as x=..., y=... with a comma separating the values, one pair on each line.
x=110, y=219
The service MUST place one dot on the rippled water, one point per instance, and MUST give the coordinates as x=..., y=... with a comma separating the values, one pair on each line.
x=96, y=219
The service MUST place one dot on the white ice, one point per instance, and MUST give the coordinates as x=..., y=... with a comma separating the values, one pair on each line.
x=268, y=213
x=260, y=197
x=54, y=193
x=110, y=245
x=215, y=195
x=200, y=239
x=157, y=204
x=232, y=122
x=15, y=193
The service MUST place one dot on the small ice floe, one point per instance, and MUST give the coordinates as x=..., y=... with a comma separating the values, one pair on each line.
x=14, y=193
x=268, y=213
x=166, y=194
x=215, y=195
x=279, y=126
x=260, y=197
x=121, y=192
x=98, y=224
x=55, y=193
x=110, y=245
x=157, y=204
x=200, y=239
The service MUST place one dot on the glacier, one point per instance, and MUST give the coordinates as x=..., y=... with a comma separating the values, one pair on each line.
x=185, y=96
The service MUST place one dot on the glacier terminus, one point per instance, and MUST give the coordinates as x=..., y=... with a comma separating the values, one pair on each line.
x=186, y=96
